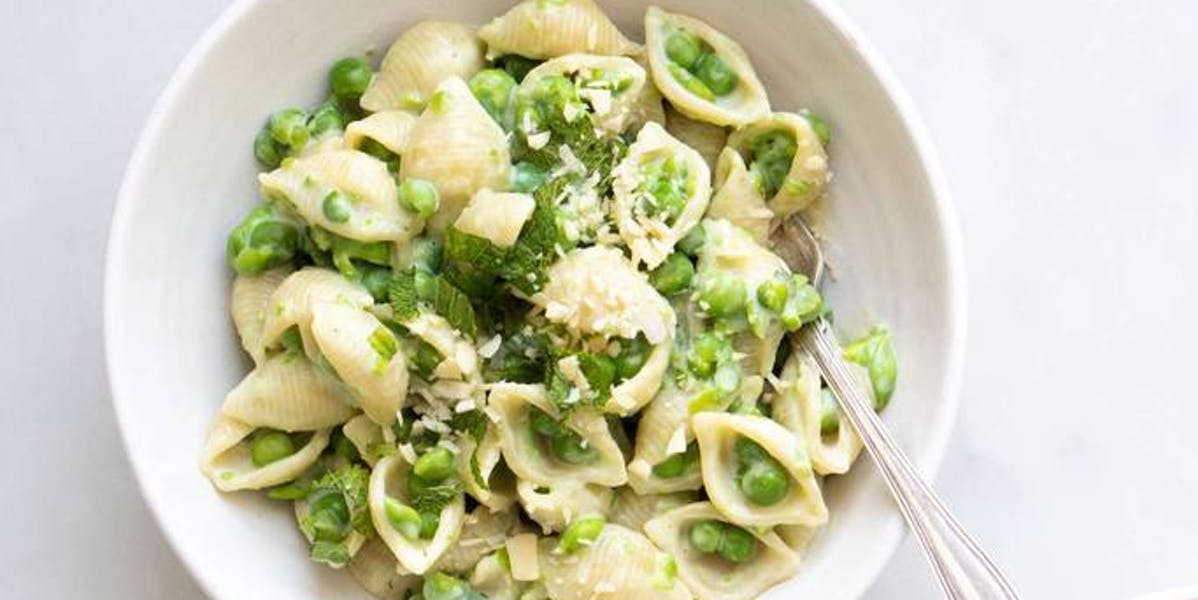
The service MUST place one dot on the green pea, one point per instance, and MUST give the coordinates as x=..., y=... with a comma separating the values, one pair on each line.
x=703, y=355
x=738, y=545
x=291, y=341
x=328, y=119
x=439, y=586
x=772, y=294
x=749, y=452
x=270, y=446
x=581, y=532
x=677, y=464
x=691, y=83
x=715, y=74
x=722, y=294
x=693, y=241
x=379, y=151
x=517, y=66
x=403, y=518
x=349, y=78
x=544, y=424
x=674, y=275
x=495, y=90
x=773, y=153
x=419, y=196
x=427, y=253
x=818, y=125
x=526, y=177
x=290, y=128
x=336, y=207
x=435, y=465
x=684, y=48
x=267, y=150
x=265, y=238
x=765, y=483
x=377, y=280
x=876, y=353
x=329, y=514
x=631, y=358
x=829, y=420
x=429, y=522
x=572, y=449
x=707, y=536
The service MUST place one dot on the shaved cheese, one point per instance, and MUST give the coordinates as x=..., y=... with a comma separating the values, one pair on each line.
x=522, y=554
x=677, y=443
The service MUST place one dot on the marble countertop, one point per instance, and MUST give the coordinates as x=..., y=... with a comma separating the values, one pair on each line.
x=1069, y=134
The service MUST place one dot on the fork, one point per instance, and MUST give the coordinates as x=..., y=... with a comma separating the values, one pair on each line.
x=961, y=566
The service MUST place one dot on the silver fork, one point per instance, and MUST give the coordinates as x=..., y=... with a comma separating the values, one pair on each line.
x=962, y=568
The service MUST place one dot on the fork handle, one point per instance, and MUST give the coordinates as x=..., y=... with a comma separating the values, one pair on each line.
x=962, y=568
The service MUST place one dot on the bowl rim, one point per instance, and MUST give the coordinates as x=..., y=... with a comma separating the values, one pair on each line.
x=951, y=246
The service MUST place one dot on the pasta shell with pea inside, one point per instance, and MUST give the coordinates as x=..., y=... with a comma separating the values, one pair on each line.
x=737, y=199
x=742, y=103
x=720, y=436
x=227, y=459
x=389, y=128
x=619, y=563
x=785, y=152
x=614, y=87
x=709, y=575
x=498, y=493
x=548, y=28
x=419, y=60
x=458, y=148
x=388, y=479
x=800, y=407
x=662, y=188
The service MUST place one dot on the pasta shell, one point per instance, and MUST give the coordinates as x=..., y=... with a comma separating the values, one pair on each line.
x=620, y=563
x=420, y=59
x=525, y=451
x=808, y=174
x=456, y=146
x=374, y=211
x=496, y=217
x=798, y=406
x=748, y=101
x=706, y=139
x=483, y=532
x=228, y=462
x=554, y=505
x=390, y=128
x=499, y=494
x=367, y=437
x=633, y=510
x=665, y=430
x=549, y=28
x=494, y=581
x=737, y=200
x=247, y=305
x=635, y=392
x=387, y=479
x=374, y=568
x=612, y=110
x=596, y=290
x=717, y=434
x=712, y=577
x=288, y=393
x=291, y=303
x=652, y=238
x=366, y=357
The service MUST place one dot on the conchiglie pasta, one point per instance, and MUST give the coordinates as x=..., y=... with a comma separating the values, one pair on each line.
x=635, y=392
x=554, y=505
x=498, y=493
x=483, y=532
x=664, y=431
x=368, y=439
x=633, y=510
x=288, y=393
x=788, y=185
x=710, y=576
x=366, y=357
x=247, y=304
x=374, y=568
x=743, y=103
x=620, y=563
x=389, y=479
x=347, y=192
x=456, y=146
x=613, y=87
x=662, y=189
x=737, y=199
x=291, y=304
x=706, y=139
x=528, y=453
x=388, y=128
x=420, y=59
x=549, y=28
x=799, y=406
x=228, y=462
x=496, y=217
x=719, y=436
x=492, y=578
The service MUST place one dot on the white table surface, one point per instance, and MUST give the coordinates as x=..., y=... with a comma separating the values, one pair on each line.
x=1069, y=134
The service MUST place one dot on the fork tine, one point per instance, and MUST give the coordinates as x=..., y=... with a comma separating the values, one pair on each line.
x=795, y=243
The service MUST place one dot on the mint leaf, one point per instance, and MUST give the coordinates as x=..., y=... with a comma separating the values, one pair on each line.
x=403, y=296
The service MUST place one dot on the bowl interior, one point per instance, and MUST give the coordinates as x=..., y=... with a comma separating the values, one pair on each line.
x=172, y=351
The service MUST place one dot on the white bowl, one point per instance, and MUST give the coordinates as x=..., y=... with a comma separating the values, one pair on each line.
x=171, y=350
